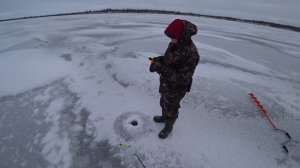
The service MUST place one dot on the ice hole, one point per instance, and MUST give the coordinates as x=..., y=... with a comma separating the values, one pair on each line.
x=134, y=123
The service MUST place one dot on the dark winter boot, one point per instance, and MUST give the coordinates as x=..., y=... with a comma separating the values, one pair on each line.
x=159, y=119
x=168, y=128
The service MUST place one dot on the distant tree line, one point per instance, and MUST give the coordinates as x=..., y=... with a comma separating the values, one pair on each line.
x=151, y=11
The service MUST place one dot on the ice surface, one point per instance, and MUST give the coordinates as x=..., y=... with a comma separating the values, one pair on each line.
x=71, y=86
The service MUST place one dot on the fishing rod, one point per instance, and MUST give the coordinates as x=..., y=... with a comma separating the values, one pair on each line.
x=126, y=146
x=140, y=160
x=266, y=114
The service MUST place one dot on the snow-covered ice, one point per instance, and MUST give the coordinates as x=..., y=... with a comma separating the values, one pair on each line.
x=72, y=86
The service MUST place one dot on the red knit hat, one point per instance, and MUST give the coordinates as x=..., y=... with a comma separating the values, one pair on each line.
x=175, y=29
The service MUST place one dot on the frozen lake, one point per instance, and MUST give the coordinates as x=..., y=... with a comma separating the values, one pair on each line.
x=71, y=88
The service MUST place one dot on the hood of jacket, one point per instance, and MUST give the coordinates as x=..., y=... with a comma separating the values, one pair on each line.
x=181, y=30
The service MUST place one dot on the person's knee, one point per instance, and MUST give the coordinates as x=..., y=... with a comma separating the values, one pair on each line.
x=172, y=111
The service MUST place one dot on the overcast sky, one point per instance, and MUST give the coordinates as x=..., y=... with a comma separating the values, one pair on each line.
x=282, y=11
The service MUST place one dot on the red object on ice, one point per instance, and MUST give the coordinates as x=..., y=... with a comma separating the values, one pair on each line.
x=266, y=114
x=261, y=109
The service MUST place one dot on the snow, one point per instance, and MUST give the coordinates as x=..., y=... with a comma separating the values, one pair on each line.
x=72, y=85
x=56, y=149
x=23, y=69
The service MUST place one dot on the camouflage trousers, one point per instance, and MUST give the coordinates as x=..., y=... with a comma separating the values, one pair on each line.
x=170, y=101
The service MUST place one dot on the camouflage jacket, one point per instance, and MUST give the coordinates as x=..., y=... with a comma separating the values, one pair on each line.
x=180, y=60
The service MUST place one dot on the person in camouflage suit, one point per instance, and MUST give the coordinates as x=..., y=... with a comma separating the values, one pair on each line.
x=176, y=69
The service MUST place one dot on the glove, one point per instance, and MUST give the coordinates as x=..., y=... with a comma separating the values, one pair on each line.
x=152, y=67
x=157, y=59
x=156, y=65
